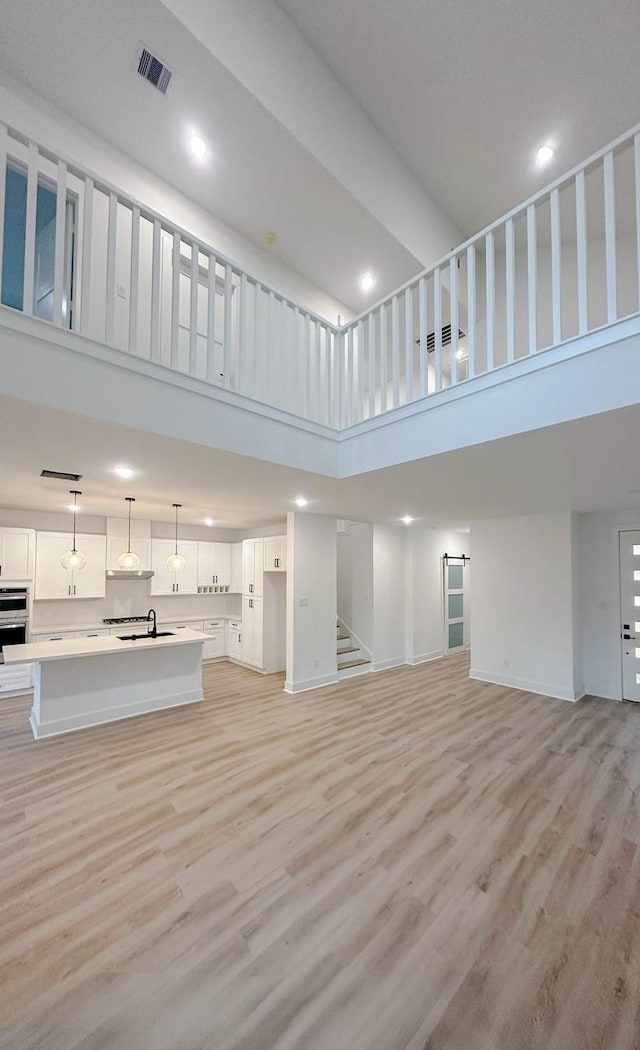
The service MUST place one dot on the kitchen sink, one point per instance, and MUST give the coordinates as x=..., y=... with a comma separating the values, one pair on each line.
x=135, y=637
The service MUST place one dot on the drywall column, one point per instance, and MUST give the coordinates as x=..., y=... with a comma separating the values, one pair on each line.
x=311, y=602
x=524, y=596
x=425, y=614
x=389, y=645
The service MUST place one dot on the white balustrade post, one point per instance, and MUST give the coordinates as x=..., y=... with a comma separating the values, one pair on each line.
x=532, y=278
x=134, y=280
x=471, y=310
x=610, y=237
x=60, y=243
x=30, y=230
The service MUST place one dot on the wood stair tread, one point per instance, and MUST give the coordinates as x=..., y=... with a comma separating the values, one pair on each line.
x=348, y=649
x=352, y=663
x=342, y=637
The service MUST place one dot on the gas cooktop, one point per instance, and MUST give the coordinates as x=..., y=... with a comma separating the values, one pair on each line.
x=124, y=619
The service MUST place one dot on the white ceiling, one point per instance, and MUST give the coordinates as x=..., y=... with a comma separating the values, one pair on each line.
x=466, y=91
x=82, y=57
x=576, y=466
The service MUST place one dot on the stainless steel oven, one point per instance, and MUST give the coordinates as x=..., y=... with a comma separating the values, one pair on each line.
x=14, y=617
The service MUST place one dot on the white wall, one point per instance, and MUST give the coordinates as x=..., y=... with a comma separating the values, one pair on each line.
x=388, y=596
x=355, y=581
x=523, y=595
x=598, y=554
x=311, y=601
x=424, y=609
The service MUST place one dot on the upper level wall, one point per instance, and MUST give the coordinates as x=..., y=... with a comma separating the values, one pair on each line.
x=38, y=119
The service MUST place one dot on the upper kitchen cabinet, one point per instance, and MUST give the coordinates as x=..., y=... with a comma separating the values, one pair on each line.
x=252, y=566
x=236, y=568
x=214, y=564
x=275, y=554
x=16, y=554
x=164, y=581
x=55, y=582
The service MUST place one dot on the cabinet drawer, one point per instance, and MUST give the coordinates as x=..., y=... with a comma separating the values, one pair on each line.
x=15, y=679
x=59, y=636
x=91, y=634
x=197, y=626
x=213, y=625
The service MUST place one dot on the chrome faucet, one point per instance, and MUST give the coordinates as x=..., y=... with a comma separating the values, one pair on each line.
x=151, y=617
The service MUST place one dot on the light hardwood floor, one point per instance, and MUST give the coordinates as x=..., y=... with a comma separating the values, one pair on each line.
x=410, y=860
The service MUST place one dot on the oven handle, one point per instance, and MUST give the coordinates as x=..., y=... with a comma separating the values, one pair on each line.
x=11, y=626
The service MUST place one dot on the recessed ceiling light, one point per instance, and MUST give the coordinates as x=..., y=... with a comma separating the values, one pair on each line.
x=124, y=472
x=367, y=282
x=544, y=155
x=301, y=501
x=209, y=521
x=197, y=146
x=407, y=519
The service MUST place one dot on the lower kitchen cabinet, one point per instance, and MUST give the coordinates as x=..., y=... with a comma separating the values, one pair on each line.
x=214, y=648
x=16, y=680
x=234, y=639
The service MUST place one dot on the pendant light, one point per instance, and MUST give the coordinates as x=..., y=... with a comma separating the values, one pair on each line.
x=176, y=562
x=74, y=559
x=128, y=559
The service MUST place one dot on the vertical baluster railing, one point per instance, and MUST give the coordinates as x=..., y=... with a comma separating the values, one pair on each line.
x=175, y=299
x=226, y=338
x=510, y=280
x=60, y=239
x=30, y=230
x=395, y=353
x=408, y=344
x=328, y=399
x=318, y=371
x=112, y=231
x=532, y=279
x=371, y=340
x=156, y=274
x=437, y=324
x=382, y=348
x=134, y=284
x=636, y=171
x=270, y=364
x=423, y=359
x=453, y=313
x=349, y=416
x=610, y=236
x=212, y=370
x=360, y=341
x=259, y=355
x=306, y=365
x=490, y=298
x=471, y=310
x=556, y=268
x=581, y=253
x=246, y=377
x=193, y=308
x=3, y=180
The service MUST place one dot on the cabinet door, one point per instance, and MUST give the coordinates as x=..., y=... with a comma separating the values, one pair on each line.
x=258, y=567
x=252, y=631
x=282, y=555
x=52, y=581
x=234, y=641
x=116, y=546
x=162, y=581
x=186, y=581
x=206, y=564
x=248, y=565
x=236, y=568
x=275, y=554
x=16, y=554
x=214, y=646
x=90, y=582
x=223, y=564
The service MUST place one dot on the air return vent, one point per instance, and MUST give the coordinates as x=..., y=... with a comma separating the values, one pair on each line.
x=154, y=70
x=60, y=475
x=446, y=338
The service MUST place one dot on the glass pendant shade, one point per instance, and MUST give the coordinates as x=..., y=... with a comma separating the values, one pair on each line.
x=176, y=562
x=129, y=560
x=74, y=559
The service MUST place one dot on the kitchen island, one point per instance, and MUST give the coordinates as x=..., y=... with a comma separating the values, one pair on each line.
x=81, y=682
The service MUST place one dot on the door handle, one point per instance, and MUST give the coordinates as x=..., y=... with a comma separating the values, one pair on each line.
x=629, y=637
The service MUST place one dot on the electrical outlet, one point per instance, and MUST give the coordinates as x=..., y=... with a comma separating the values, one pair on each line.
x=121, y=291
x=303, y=603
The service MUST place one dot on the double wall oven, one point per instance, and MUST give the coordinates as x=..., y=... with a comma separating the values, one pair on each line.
x=14, y=617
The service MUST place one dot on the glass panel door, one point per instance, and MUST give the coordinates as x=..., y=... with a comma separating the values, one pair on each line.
x=455, y=577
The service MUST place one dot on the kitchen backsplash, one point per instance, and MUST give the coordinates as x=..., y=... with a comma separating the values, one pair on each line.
x=124, y=598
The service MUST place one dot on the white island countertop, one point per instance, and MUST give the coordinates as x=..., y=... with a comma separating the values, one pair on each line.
x=108, y=644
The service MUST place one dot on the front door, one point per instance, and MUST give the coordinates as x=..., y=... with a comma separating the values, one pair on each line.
x=630, y=614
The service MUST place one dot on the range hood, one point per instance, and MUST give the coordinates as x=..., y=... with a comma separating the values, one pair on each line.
x=129, y=574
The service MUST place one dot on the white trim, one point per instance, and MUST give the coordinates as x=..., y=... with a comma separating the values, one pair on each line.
x=384, y=665
x=41, y=730
x=353, y=672
x=528, y=686
x=424, y=658
x=311, y=683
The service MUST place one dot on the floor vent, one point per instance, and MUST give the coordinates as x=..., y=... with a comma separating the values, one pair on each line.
x=60, y=475
x=154, y=70
x=446, y=338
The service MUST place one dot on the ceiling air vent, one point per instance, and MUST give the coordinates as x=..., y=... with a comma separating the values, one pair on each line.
x=446, y=338
x=154, y=70
x=60, y=475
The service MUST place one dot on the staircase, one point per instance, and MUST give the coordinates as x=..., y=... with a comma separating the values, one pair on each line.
x=351, y=659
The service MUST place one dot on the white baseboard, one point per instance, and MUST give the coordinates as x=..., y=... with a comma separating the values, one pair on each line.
x=41, y=730
x=311, y=683
x=528, y=686
x=385, y=665
x=424, y=658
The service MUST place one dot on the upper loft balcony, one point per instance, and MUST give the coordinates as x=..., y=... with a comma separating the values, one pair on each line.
x=533, y=321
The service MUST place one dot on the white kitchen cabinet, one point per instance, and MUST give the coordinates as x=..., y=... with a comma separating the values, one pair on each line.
x=214, y=564
x=16, y=554
x=236, y=568
x=214, y=648
x=252, y=566
x=52, y=581
x=92, y=634
x=16, y=680
x=117, y=546
x=234, y=639
x=166, y=582
x=54, y=636
x=252, y=634
x=275, y=554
